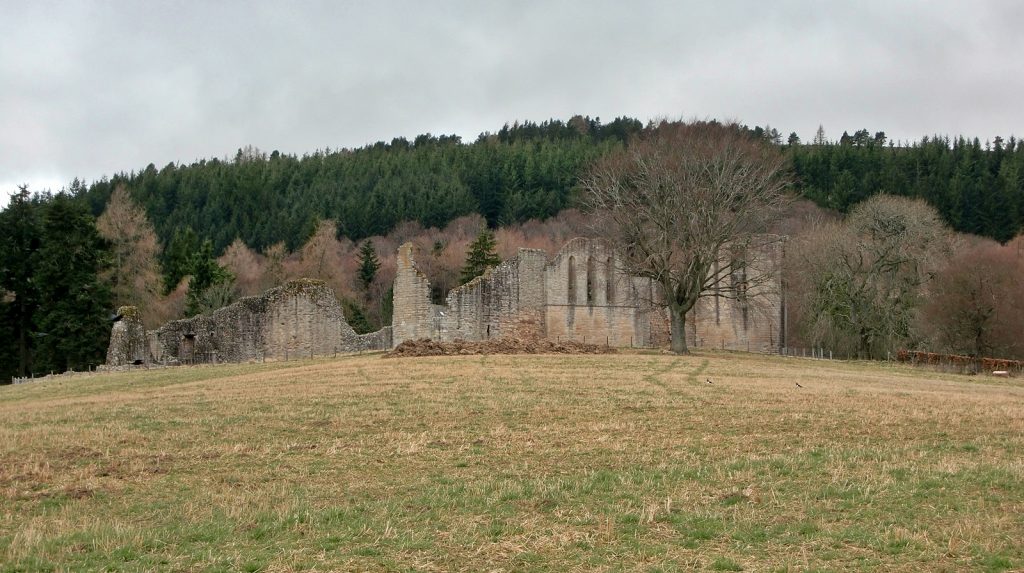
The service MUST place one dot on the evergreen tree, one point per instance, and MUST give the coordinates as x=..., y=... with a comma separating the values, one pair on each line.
x=211, y=284
x=819, y=136
x=74, y=322
x=20, y=238
x=481, y=256
x=368, y=264
x=178, y=256
x=356, y=317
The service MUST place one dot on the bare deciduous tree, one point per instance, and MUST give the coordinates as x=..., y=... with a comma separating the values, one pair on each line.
x=860, y=281
x=683, y=202
x=245, y=265
x=134, y=277
x=975, y=305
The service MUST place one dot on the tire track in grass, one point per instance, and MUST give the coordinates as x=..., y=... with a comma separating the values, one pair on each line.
x=692, y=376
x=655, y=377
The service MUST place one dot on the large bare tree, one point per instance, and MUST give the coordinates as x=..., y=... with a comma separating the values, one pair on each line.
x=683, y=202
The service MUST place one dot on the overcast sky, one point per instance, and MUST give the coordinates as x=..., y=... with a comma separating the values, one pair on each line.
x=93, y=88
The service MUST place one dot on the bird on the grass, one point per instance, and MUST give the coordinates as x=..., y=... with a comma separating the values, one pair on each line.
x=709, y=381
x=798, y=385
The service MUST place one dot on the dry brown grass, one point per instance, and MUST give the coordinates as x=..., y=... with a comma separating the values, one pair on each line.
x=502, y=463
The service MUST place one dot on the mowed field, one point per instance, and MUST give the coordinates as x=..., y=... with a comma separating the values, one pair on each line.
x=629, y=462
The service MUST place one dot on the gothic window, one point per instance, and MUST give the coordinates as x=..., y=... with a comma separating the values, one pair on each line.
x=572, y=280
x=609, y=281
x=739, y=287
x=590, y=281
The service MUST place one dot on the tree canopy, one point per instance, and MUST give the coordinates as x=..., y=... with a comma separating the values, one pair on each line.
x=682, y=203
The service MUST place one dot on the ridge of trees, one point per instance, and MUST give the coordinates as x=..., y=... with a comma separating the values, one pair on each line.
x=528, y=171
x=252, y=222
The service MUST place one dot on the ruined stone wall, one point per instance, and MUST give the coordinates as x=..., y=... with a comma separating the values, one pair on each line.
x=753, y=323
x=127, y=339
x=300, y=319
x=413, y=316
x=591, y=299
x=583, y=294
x=498, y=302
x=504, y=300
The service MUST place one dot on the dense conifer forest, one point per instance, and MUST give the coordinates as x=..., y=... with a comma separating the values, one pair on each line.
x=529, y=171
x=260, y=210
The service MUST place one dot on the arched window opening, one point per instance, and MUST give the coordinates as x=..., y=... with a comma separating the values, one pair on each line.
x=739, y=288
x=718, y=307
x=590, y=281
x=609, y=281
x=572, y=280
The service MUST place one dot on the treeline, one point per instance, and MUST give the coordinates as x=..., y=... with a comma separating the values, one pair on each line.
x=530, y=171
x=522, y=172
x=188, y=238
x=977, y=188
x=54, y=304
x=65, y=273
x=891, y=275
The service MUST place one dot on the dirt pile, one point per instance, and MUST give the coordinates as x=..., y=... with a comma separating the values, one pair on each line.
x=427, y=347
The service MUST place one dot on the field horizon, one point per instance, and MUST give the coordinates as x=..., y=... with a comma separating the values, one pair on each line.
x=637, y=461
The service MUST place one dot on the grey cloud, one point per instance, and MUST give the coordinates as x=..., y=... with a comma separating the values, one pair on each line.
x=91, y=88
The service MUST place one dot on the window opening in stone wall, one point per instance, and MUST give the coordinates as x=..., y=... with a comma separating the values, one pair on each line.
x=188, y=346
x=718, y=306
x=739, y=287
x=590, y=281
x=572, y=280
x=609, y=281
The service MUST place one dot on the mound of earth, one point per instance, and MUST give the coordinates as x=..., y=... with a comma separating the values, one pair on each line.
x=427, y=347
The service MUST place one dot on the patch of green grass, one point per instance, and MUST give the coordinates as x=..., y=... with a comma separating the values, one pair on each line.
x=525, y=463
x=725, y=564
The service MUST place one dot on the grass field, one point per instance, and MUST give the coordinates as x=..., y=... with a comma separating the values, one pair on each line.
x=515, y=463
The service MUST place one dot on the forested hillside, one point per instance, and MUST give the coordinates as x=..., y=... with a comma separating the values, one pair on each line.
x=522, y=172
x=186, y=239
x=529, y=171
x=977, y=188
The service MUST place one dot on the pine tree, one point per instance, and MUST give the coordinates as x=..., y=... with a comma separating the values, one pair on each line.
x=355, y=316
x=177, y=257
x=819, y=136
x=481, y=256
x=211, y=284
x=368, y=264
x=74, y=325
x=20, y=238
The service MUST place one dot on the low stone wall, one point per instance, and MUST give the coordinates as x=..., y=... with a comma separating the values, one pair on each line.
x=299, y=319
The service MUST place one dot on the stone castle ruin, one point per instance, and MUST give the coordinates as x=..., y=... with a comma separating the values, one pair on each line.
x=582, y=294
x=302, y=318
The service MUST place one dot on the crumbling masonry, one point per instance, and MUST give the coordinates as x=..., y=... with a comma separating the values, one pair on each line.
x=584, y=295
x=300, y=319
